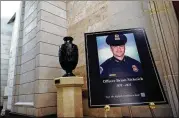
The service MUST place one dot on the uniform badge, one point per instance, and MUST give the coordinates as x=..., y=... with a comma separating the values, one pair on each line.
x=135, y=69
x=117, y=37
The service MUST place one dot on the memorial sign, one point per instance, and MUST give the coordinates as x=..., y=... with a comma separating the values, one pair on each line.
x=121, y=70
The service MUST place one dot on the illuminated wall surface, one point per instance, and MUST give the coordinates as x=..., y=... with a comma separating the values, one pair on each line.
x=6, y=32
x=42, y=26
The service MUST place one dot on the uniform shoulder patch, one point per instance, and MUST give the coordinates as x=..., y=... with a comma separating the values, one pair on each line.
x=135, y=69
x=101, y=69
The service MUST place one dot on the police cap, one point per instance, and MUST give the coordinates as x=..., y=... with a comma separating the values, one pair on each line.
x=116, y=39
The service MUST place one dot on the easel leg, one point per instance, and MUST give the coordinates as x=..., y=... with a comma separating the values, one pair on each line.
x=105, y=114
x=121, y=112
x=152, y=112
x=130, y=110
x=106, y=109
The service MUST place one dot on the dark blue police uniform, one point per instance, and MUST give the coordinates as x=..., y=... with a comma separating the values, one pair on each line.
x=127, y=67
x=112, y=67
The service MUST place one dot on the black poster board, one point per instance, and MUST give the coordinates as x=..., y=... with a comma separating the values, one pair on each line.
x=117, y=87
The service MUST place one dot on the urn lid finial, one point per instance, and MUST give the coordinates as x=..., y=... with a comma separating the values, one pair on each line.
x=68, y=38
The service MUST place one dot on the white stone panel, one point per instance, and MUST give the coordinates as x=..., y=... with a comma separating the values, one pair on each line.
x=46, y=111
x=11, y=67
x=26, y=98
x=27, y=2
x=10, y=84
x=18, y=60
x=9, y=101
x=53, y=9
x=19, y=42
x=30, y=65
x=30, y=35
x=29, y=55
x=29, y=10
x=47, y=61
x=16, y=90
x=21, y=32
x=4, y=50
x=4, y=72
x=31, y=111
x=49, y=38
x=4, y=61
x=5, y=91
x=5, y=46
x=2, y=92
x=2, y=88
x=45, y=100
x=29, y=46
x=9, y=91
x=27, y=88
x=44, y=86
x=28, y=5
x=53, y=18
x=31, y=26
x=4, y=77
x=31, y=17
x=5, y=41
x=3, y=83
x=11, y=75
x=18, y=70
x=17, y=80
x=60, y=4
x=10, y=61
x=52, y=49
x=21, y=109
x=19, y=51
x=48, y=73
x=27, y=77
x=4, y=56
x=54, y=29
x=4, y=66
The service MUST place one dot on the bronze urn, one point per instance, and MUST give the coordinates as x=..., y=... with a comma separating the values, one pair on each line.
x=68, y=56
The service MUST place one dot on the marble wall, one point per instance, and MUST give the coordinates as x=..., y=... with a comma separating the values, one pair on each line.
x=92, y=16
x=6, y=33
x=23, y=85
x=51, y=23
x=165, y=26
x=17, y=31
x=42, y=27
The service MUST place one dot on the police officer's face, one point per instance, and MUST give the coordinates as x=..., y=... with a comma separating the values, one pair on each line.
x=118, y=51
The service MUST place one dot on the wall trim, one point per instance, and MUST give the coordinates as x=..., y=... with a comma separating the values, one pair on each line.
x=24, y=104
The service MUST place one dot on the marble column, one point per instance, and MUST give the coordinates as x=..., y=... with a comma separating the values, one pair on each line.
x=165, y=26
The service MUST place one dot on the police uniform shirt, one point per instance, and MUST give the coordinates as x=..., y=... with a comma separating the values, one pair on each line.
x=128, y=67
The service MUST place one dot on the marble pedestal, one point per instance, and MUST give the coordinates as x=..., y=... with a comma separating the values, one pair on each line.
x=69, y=96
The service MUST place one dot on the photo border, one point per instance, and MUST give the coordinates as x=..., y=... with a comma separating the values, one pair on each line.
x=151, y=57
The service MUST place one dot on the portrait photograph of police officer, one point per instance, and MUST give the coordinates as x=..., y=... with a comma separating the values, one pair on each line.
x=118, y=56
x=121, y=70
